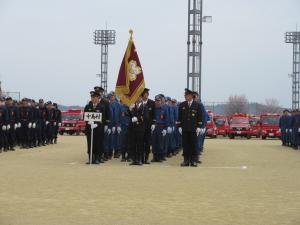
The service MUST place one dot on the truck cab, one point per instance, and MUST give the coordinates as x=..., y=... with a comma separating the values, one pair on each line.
x=211, y=129
x=270, y=126
x=222, y=125
x=72, y=122
x=239, y=126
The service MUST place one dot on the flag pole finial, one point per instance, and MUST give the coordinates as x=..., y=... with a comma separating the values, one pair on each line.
x=131, y=33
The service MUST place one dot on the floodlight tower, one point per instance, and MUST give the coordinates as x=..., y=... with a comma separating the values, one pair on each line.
x=194, y=44
x=104, y=38
x=294, y=38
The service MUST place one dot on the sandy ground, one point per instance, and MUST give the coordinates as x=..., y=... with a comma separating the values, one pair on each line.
x=241, y=182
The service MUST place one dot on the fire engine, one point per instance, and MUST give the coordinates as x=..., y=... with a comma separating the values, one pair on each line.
x=270, y=126
x=211, y=129
x=239, y=126
x=222, y=125
x=255, y=126
x=72, y=122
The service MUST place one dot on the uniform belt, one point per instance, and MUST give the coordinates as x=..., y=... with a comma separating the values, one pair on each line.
x=160, y=125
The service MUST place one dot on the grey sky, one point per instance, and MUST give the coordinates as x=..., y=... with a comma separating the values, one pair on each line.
x=46, y=47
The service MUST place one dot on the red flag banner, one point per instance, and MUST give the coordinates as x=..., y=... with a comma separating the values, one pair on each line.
x=130, y=83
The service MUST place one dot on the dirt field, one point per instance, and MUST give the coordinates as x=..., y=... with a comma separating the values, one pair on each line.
x=240, y=182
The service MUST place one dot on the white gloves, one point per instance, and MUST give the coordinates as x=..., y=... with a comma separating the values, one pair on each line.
x=93, y=126
x=173, y=129
x=113, y=130
x=169, y=130
x=59, y=124
x=286, y=130
x=8, y=127
x=203, y=130
x=16, y=126
x=299, y=130
x=34, y=125
x=198, y=131
x=4, y=128
x=164, y=133
x=152, y=128
x=47, y=122
x=131, y=107
x=108, y=131
x=105, y=128
x=119, y=130
x=29, y=125
x=54, y=123
x=134, y=119
x=291, y=130
x=180, y=130
x=19, y=125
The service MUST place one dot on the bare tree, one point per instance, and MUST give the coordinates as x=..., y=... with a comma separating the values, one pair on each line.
x=271, y=106
x=237, y=104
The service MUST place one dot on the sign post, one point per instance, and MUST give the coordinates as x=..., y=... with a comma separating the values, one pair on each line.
x=91, y=118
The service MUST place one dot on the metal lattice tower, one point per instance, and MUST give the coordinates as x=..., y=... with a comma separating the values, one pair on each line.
x=194, y=45
x=294, y=38
x=104, y=38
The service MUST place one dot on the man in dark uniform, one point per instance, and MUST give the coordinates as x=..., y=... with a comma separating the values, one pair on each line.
x=105, y=102
x=13, y=115
x=49, y=123
x=25, y=119
x=150, y=104
x=4, y=119
x=95, y=105
x=42, y=123
x=190, y=121
x=57, y=121
x=138, y=114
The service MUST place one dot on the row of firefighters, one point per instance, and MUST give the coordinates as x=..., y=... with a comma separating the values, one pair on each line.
x=28, y=124
x=129, y=132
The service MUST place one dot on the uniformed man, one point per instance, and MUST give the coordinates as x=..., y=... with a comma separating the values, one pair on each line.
x=42, y=128
x=283, y=126
x=201, y=137
x=190, y=122
x=159, y=128
x=49, y=123
x=296, y=130
x=26, y=116
x=138, y=114
x=3, y=125
x=150, y=104
x=124, y=130
x=12, y=126
x=98, y=127
x=57, y=121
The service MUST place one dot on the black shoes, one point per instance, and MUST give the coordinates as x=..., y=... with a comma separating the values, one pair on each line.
x=185, y=164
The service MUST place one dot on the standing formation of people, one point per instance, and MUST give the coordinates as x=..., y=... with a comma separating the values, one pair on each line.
x=289, y=124
x=28, y=124
x=162, y=125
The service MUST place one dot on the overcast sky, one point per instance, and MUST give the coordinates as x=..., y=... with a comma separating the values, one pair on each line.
x=47, y=50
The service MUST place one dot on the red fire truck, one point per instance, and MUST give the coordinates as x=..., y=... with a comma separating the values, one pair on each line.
x=255, y=126
x=239, y=126
x=270, y=126
x=211, y=129
x=222, y=125
x=72, y=122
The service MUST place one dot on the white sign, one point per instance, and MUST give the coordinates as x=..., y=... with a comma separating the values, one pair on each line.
x=92, y=117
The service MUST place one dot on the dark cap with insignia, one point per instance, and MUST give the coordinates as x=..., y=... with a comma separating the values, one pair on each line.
x=158, y=98
x=49, y=103
x=94, y=94
x=98, y=89
x=188, y=92
x=146, y=90
x=8, y=99
x=41, y=101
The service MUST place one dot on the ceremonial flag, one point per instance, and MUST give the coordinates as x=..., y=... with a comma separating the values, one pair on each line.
x=130, y=83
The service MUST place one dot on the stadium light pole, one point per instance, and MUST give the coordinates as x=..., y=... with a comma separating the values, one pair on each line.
x=104, y=38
